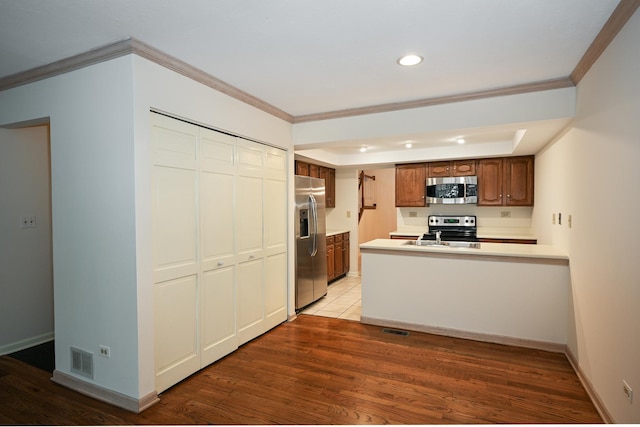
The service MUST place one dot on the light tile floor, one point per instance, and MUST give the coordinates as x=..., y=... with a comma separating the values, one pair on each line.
x=343, y=300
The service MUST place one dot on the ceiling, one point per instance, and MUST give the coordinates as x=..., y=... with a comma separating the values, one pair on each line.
x=306, y=57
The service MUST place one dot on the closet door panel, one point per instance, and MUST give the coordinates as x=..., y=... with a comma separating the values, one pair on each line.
x=176, y=339
x=218, y=314
x=249, y=217
x=217, y=220
x=250, y=300
x=175, y=216
x=275, y=216
x=275, y=301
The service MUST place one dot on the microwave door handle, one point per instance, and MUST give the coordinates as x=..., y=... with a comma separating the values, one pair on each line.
x=314, y=215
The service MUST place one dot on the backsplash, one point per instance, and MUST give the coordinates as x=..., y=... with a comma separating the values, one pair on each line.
x=487, y=217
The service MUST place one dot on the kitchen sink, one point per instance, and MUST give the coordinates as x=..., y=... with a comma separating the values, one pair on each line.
x=444, y=243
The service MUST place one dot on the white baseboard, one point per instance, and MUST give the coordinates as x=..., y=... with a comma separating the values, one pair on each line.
x=455, y=333
x=26, y=343
x=109, y=396
x=591, y=391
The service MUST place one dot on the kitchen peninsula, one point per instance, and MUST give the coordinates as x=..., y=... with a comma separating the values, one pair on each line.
x=515, y=294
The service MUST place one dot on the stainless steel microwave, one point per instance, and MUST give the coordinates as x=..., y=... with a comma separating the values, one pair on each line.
x=453, y=190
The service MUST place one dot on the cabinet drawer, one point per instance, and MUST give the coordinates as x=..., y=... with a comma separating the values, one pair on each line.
x=330, y=240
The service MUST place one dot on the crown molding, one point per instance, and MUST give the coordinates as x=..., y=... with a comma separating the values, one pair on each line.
x=136, y=47
x=469, y=96
x=622, y=13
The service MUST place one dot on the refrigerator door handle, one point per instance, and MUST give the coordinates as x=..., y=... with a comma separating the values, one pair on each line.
x=314, y=214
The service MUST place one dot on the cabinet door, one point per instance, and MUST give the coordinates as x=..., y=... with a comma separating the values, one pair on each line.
x=345, y=253
x=490, y=180
x=337, y=259
x=330, y=259
x=314, y=171
x=519, y=181
x=411, y=182
x=302, y=168
x=329, y=176
x=439, y=169
x=463, y=167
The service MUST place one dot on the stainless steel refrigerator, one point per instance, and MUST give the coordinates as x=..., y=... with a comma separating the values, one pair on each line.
x=311, y=241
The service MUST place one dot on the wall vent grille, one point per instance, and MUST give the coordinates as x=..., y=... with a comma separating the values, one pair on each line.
x=81, y=362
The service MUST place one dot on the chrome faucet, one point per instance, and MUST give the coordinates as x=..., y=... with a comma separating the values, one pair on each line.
x=438, y=239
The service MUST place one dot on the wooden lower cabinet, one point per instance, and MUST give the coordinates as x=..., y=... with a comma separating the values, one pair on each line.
x=337, y=256
x=331, y=274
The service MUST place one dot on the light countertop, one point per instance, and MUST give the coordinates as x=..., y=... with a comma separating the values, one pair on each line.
x=334, y=231
x=486, y=249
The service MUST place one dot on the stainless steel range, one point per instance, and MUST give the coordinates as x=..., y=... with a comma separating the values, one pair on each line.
x=451, y=230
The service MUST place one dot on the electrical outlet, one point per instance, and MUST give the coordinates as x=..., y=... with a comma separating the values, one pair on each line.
x=553, y=219
x=28, y=221
x=105, y=351
x=628, y=392
x=559, y=219
x=505, y=214
x=570, y=221
x=348, y=214
x=413, y=214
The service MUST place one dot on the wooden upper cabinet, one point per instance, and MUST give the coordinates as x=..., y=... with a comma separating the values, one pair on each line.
x=437, y=169
x=506, y=181
x=329, y=176
x=463, y=167
x=314, y=171
x=302, y=168
x=410, y=185
x=518, y=181
x=490, y=181
x=453, y=168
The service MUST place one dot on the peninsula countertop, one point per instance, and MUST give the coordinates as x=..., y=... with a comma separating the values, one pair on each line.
x=486, y=249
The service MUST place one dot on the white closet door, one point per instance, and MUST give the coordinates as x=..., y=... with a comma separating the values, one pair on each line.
x=175, y=254
x=250, y=239
x=217, y=160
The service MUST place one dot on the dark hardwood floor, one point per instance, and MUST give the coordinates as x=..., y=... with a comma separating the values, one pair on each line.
x=318, y=370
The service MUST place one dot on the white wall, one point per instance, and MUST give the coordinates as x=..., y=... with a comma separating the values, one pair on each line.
x=591, y=172
x=26, y=277
x=92, y=203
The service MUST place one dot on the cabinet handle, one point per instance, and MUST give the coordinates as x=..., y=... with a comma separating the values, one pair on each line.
x=220, y=263
x=508, y=195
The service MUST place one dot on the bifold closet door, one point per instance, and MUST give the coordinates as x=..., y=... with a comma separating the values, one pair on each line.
x=175, y=256
x=217, y=160
x=249, y=240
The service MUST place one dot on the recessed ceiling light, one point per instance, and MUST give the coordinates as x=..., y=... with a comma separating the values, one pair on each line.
x=460, y=140
x=363, y=149
x=409, y=60
x=408, y=145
